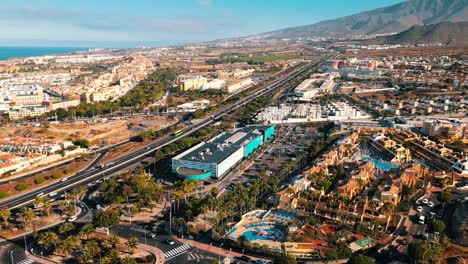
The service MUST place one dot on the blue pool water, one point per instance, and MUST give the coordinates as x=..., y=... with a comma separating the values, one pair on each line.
x=285, y=215
x=269, y=234
x=381, y=165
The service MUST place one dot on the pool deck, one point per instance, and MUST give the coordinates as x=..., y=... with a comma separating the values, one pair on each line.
x=265, y=220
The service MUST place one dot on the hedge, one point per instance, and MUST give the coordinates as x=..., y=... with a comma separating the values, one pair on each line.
x=56, y=176
x=3, y=195
x=21, y=187
x=39, y=181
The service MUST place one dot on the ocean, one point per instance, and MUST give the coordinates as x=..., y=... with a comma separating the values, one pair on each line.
x=21, y=52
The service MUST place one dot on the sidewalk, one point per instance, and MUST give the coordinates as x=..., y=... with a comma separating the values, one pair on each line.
x=38, y=259
x=154, y=250
x=212, y=249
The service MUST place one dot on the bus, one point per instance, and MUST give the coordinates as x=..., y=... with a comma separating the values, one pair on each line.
x=178, y=133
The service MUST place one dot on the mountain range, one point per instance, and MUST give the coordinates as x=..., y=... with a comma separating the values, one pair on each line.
x=385, y=20
x=451, y=33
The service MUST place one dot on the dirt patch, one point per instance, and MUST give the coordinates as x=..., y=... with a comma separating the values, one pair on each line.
x=32, y=183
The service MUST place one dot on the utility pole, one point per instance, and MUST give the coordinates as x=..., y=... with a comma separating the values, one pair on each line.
x=11, y=255
x=170, y=214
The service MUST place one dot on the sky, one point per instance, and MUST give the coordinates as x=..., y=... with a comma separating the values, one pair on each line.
x=124, y=23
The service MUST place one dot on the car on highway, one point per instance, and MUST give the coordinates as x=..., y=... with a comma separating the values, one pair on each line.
x=169, y=242
x=64, y=179
x=419, y=209
x=152, y=235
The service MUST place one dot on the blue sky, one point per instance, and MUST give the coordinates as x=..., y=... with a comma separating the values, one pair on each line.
x=121, y=23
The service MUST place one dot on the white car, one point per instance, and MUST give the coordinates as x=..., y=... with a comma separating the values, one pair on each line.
x=72, y=219
x=419, y=209
x=430, y=204
x=425, y=201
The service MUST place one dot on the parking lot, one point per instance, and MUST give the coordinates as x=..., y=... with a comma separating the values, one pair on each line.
x=290, y=141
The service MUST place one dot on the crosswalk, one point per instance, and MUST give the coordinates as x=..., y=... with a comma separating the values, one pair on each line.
x=4, y=248
x=196, y=257
x=26, y=261
x=176, y=251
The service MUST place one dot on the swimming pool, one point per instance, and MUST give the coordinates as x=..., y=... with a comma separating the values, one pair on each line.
x=264, y=234
x=381, y=165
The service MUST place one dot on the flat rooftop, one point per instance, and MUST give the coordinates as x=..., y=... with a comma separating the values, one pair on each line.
x=210, y=153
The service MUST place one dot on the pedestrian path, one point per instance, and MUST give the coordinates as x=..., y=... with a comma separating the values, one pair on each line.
x=176, y=251
x=26, y=261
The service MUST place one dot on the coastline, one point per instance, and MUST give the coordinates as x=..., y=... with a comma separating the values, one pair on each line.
x=12, y=52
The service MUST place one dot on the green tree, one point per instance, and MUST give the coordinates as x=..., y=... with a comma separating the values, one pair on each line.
x=438, y=225
x=331, y=253
x=107, y=219
x=445, y=196
x=285, y=259
x=420, y=251
x=87, y=230
x=360, y=259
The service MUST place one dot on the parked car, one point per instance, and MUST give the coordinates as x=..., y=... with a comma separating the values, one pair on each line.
x=72, y=219
x=169, y=242
x=419, y=209
x=425, y=201
x=430, y=204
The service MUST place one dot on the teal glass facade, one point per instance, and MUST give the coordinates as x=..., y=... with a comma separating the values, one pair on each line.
x=252, y=146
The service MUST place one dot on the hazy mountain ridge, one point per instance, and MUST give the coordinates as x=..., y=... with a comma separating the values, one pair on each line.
x=445, y=33
x=391, y=19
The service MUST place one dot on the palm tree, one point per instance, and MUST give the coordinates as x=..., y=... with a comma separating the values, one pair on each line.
x=132, y=243
x=28, y=215
x=113, y=255
x=4, y=215
x=87, y=230
x=92, y=248
x=105, y=260
x=48, y=239
x=128, y=260
x=68, y=245
x=66, y=227
x=46, y=207
x=111, y=242
x=84, y=258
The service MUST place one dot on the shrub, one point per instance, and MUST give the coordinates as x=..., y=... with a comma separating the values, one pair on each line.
x=68, y=171
x=3, y=195
x=21, y=187
x=56, y=176
x=39, y=180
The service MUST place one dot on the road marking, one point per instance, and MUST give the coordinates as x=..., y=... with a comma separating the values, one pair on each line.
x=26, y=261
x=176, y=251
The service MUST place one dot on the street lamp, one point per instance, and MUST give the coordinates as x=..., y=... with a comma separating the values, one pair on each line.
x=219, y=253
x=11, y=255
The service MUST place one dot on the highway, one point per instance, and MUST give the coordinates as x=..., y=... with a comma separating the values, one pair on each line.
x=89, y=175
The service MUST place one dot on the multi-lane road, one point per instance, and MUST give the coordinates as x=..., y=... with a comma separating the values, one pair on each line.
x=125, y=161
